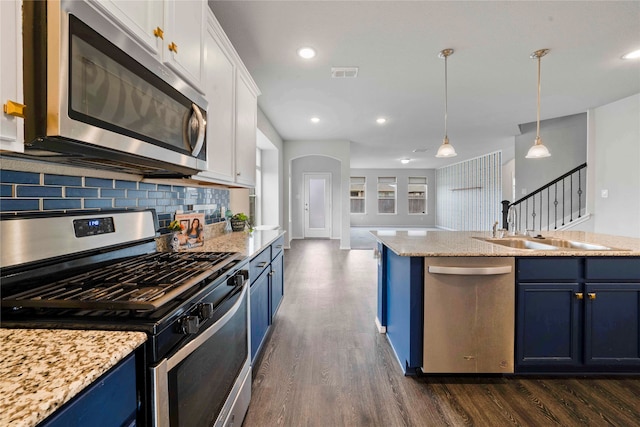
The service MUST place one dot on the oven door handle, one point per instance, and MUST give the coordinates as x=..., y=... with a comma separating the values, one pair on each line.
x=159, y=380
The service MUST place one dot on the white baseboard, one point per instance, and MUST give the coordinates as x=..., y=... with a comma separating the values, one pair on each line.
x=381, y=329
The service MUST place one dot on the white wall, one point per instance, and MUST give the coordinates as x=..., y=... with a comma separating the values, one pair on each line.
x=508, y=173
x=616, y=164
x=319, y=164
x=401, y=218
x=272, y=174
x=339, y=150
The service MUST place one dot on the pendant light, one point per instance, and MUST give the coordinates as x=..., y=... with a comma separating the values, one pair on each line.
x=446, y=149
x=538, y=150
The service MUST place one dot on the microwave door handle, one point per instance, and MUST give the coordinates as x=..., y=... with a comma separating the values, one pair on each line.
x=201, y=127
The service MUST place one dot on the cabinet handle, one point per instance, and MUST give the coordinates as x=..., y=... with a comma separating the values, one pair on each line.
x=14, y=109
x=158, y=33
x=592, y=295
x=271, y=273
x=173, y=47
x=579, y=295
x=262, y=264
x=238, y=173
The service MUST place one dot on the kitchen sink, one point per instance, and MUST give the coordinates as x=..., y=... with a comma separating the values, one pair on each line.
x=546, y=244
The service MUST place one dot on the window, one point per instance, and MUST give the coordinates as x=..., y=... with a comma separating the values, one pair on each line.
x=387, y=194
x=357, y=194
x=417, y=195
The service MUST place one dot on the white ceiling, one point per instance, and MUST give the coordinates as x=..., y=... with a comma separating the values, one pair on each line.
x=395, y=44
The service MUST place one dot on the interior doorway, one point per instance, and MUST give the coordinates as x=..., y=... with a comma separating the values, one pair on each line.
x=317, y=205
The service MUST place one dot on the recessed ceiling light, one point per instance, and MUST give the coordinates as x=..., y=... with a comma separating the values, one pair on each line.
x=315, y=119
x=381, y=120
x=405, y=161
x=632, y=55
x=306, y=52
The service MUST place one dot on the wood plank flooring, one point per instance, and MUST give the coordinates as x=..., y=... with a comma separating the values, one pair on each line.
x=325, y=364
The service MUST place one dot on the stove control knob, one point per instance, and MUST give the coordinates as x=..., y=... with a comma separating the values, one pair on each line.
x=190, y=324
x=206, y=310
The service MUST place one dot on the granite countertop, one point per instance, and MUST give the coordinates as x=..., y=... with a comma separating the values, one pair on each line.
x=465, y=243
x=245, y=242
x=41, y=369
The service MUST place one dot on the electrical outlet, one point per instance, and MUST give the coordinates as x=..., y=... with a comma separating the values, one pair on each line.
x=524, y=191
x=604, y=193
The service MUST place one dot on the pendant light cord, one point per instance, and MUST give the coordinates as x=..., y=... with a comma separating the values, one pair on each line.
x=446, y=97
x=538, y=115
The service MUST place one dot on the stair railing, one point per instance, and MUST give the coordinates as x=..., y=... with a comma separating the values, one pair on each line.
x=553, y=205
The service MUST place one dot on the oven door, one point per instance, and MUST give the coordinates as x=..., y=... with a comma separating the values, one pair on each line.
x=202, y=382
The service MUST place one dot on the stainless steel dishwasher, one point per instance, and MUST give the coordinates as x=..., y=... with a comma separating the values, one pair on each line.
x=469, y=305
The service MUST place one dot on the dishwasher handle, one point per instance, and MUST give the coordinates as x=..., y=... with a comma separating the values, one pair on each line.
x=470, y=271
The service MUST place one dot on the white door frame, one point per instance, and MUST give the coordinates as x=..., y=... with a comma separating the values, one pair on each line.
x=317, y=232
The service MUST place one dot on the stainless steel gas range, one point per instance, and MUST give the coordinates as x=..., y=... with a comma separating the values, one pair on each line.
x=101, y=270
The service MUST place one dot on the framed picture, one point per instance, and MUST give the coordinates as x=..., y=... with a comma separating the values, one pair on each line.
x=192, y=234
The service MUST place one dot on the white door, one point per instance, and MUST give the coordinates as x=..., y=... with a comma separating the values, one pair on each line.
x=317, y=205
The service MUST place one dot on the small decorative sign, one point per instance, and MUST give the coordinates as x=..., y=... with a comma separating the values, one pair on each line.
x=192, y=234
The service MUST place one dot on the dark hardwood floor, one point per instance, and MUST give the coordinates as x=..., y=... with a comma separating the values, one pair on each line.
x=325, y=364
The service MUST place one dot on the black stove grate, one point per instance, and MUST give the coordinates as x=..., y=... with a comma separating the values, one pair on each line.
x=144, y=282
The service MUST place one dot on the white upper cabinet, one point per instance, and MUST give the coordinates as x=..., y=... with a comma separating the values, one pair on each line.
x=11, y=122
x=172, y=30
x=232, y=114
x=183, y=38
x=143, y=20
x=219, y=89
x=246, y=127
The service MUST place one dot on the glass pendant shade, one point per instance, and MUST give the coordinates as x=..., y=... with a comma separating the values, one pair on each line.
x=538, y=150
x=446, y=149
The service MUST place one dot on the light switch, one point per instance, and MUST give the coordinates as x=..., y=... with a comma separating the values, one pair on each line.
x=604, y=193
x=524, y=191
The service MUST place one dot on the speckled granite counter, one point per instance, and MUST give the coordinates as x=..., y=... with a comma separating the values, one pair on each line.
x=463, y=243
x=249, y=244
x=41, y=369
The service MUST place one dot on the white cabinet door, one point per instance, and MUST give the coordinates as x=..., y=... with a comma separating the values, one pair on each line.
x=142, y=19
x=11, y=126
x=246, y=125
x=183, y=38
x=218, y=85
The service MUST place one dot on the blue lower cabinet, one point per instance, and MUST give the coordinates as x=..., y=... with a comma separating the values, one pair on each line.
x=277, y=283
x=260, y=313
x=612, y=321
x=548, y=325
x=587, y=320
x=404, y=303
x=111, y=401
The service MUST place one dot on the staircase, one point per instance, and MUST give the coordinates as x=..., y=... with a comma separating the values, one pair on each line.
x=554, y=206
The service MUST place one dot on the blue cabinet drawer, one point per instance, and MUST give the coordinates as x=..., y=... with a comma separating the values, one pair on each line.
x=111, y=401
x=259, y=263
x=608, y=268
x=277, y=247
x=545, y=268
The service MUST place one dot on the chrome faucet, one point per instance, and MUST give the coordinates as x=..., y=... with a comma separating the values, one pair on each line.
x=493, y=230
x=512, y=220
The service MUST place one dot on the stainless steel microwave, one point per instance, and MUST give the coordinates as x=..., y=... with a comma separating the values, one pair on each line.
x=97, y=98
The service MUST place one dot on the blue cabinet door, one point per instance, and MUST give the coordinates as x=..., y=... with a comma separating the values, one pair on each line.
x=612, y=322
x=260, y=313
x=548, y=325
x=277, y=283
x=404, y=302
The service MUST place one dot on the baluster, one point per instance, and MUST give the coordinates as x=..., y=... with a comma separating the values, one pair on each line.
x=571, y=198
x=520, y=217
x=579, y=192
x=533, y=215
x=555, y=207
x=548, y=207
x=540, y=212
x=526, y=215
x=563, y=201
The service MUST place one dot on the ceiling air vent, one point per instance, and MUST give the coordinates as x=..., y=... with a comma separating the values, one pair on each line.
x=344, y=72
x=420, y=150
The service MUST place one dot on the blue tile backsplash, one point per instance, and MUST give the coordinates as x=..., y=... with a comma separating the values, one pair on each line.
x=35, y=192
